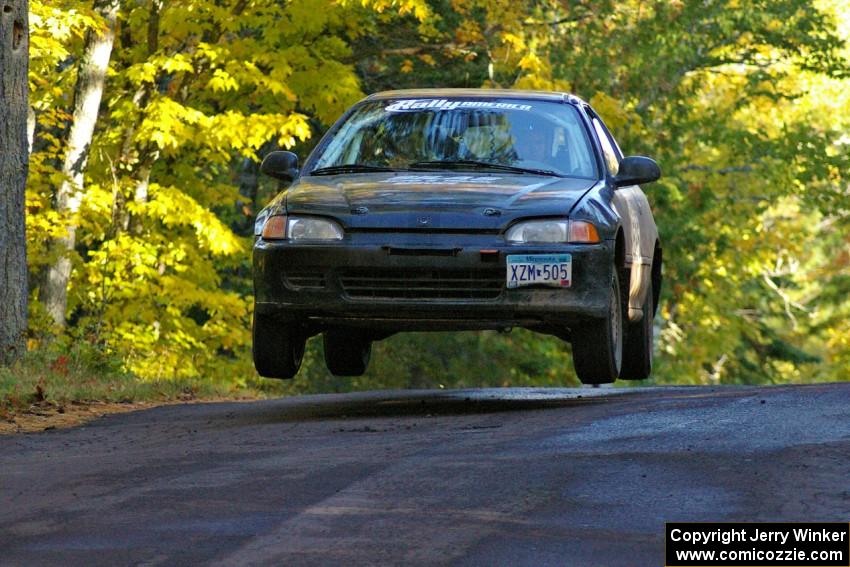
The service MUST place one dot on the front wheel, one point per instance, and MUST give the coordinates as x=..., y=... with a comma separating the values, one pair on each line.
x=278, y=347
x=347, y=353
x=598, y=345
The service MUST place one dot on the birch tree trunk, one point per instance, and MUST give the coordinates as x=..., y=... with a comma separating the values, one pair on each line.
x=14, y=161
x=87, y=96
x=31, y=123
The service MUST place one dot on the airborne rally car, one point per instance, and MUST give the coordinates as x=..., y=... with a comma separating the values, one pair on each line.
x=448, y=209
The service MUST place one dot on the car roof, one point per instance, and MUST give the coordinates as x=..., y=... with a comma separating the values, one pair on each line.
x=477, y=93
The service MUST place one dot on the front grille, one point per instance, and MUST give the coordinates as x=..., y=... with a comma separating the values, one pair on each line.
x=421, y=284
x=305, y=279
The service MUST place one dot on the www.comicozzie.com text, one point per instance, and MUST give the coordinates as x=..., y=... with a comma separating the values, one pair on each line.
x=755, y=534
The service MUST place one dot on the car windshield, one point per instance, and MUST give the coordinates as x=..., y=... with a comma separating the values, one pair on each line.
x=512, y=135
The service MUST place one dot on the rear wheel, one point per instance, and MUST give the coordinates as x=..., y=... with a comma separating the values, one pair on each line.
x=278, y=347
x=598, y=345
x=637, y=349
x=347, y=353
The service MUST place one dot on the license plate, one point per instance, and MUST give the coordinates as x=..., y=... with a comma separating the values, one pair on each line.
x=540, y=269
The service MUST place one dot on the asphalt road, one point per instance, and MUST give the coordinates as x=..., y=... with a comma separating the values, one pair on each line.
x=478, y=477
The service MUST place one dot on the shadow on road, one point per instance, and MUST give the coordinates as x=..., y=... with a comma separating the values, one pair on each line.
x=423, y=403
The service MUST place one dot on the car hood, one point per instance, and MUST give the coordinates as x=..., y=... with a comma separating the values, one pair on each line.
x=434, y=201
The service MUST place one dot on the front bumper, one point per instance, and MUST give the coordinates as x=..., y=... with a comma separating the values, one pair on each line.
x=411, y=281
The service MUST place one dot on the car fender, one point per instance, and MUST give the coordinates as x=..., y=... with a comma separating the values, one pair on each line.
x=640, y=235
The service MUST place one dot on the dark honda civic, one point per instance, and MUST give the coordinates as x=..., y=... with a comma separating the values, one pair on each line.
x=438, y=210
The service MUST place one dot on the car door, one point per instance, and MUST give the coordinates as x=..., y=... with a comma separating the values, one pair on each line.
x=639, y=228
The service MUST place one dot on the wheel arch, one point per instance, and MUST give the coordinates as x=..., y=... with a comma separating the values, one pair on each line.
x=620, y=265
x=620, y=248
x=657, y=277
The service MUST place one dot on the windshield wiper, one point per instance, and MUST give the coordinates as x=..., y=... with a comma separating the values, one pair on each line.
x=349, y=168
x=474, y=164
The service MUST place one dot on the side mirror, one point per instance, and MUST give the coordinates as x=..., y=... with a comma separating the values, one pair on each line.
x=280, y=165
x=635, y=170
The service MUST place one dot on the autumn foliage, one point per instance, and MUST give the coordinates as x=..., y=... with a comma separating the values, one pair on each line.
x=746, y=106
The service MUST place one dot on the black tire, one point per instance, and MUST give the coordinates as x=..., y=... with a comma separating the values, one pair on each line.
x=637, y=348
x=278, y=347
x=346, y=352
x=598, y=344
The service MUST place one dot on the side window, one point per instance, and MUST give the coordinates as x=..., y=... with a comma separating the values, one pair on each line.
x=611, y=158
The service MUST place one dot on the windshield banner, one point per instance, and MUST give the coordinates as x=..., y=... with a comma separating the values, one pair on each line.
x=444, y=104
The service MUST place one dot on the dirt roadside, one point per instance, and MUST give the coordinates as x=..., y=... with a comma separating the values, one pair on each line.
x=47, y=416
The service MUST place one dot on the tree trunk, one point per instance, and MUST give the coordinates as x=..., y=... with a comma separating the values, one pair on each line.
x=140, y=193
x=122, y=220
x=31, y=122
x=14, y=160
x=87, y=97
x=249, y=186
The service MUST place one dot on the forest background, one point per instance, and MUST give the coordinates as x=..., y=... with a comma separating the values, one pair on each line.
x=149, y=119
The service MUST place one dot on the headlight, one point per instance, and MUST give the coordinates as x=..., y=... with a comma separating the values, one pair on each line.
x=281, y=227
x=542, y=231
x=306, y=228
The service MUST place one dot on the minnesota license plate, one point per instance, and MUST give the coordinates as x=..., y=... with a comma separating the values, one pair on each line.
x=540, y=269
